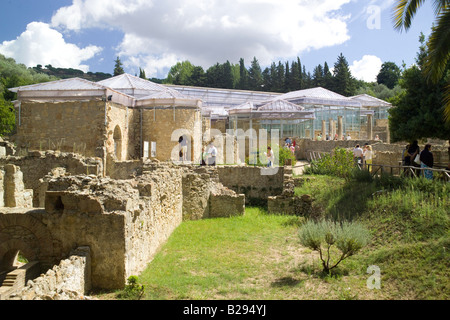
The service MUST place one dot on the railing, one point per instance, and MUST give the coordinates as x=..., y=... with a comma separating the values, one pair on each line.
x=407, y=171
x=315, y=155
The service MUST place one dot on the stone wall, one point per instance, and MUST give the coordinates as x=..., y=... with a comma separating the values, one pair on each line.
x=71, y=126
x=70, y=280
x=256, y=183
x=160, y=125
x=12, y=190
x=36, y=165
x=205, y=197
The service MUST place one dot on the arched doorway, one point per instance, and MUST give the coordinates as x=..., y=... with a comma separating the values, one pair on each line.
x=118, y=143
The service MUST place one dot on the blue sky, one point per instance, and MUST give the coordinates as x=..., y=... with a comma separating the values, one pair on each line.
x=155, y=34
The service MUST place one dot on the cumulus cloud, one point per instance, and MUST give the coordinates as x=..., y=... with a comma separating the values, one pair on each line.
x=210, y=31
x=367, y=68
x=40, y=44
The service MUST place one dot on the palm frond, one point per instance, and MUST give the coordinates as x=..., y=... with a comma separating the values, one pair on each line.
x=438, y=48
x=404, y=12
x=447, y=103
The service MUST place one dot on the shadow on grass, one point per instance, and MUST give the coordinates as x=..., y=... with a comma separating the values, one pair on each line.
x=286, y=282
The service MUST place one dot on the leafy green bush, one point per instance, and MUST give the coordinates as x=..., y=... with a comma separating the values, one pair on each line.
x=340, y=163
x=258, y=157
x=133, y=290
x=326, y=236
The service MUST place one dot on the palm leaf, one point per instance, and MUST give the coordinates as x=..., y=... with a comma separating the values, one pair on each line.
x=438, y=48
x=404, y=12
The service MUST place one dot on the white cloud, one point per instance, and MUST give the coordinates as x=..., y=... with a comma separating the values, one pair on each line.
x=367, y=68
x=40, y=44
x=210, y=31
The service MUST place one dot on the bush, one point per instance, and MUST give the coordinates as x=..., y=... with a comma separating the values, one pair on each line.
x=323, y=236
x=258, y=158
x=340, y=164
x=133, y=290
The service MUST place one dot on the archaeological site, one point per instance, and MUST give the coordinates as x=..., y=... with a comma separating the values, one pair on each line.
x=98, y=175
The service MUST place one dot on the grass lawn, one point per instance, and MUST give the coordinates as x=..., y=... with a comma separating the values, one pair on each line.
x=259, y=257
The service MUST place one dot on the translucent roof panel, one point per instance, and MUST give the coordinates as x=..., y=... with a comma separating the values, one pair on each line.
x=319, y=96
x=73, y=84
x=129, y=84
x=369, y=101
x=280, y=106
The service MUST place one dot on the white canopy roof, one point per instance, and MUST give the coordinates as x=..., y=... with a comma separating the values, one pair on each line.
x=368, y=101
x=319, y=96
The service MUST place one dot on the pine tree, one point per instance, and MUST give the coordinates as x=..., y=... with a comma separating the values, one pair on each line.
x=118, y=69
x=343, y=82
x=243, y=81
x=255, y=76
x=142, y=74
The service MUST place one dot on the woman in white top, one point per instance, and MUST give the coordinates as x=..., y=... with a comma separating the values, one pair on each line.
x=368, y=156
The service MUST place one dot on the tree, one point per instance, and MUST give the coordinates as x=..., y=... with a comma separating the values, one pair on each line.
x=389, y=75
x=255, y=76
x=419, y=109
x=343, y=82
x=198, y=77
x=7, y=117
x=318, y=76
x=142, y=74
x=180, y=73
x=438, y=44
x=341, y=240
x=327, y=77
x=118, y=69
x=243, y=74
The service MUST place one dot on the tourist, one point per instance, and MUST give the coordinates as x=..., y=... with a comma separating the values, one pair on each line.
x=413, y=151
x=377, y=138
x=426, y=161
x=368, y=157
x=184, y=148
x=405, y=154
x=336, y=137
x=358, y=155
x=270, y=157
x=319, y=137
x=204, y=156
x=212, y=154
x=349, y=137
x=292, y=148
x=288, y=141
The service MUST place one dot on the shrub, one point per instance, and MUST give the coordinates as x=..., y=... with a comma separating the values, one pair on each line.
x=324, y=236
x=133, y=290
x=340, y=163
x=258, y=158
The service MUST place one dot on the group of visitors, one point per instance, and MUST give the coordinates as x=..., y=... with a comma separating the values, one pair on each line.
x=290, y=145
x=363, y=157
x=413, y=157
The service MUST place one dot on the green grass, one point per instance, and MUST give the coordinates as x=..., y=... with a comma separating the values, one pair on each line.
x=259, y=257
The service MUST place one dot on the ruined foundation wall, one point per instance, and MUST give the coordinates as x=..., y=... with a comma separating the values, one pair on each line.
x=36, y=165
x=70, y=280
x=251, y=182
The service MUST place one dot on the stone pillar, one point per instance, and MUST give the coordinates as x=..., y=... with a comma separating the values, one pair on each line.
x=388, y=134
x=340, y=127
x=369, y=126
x=332, y=129
x=324, y=130
x=15, y=193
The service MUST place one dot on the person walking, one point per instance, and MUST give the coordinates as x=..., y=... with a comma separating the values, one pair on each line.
x=427, y=161
x=358, y=154
x=368, y=157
